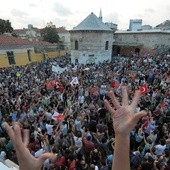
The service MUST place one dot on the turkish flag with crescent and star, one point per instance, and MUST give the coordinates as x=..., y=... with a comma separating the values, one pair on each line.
x=143, y=89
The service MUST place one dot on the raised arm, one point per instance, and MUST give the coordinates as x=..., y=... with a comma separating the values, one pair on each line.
x=124, y=120
x=26, y=160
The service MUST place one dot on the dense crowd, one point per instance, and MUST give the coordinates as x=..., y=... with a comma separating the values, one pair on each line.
x=65, y=112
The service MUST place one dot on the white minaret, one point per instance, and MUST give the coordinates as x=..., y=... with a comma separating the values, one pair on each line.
x=100, y=15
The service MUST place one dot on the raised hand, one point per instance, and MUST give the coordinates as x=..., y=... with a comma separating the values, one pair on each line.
x=124, y=120
x=123, y=114
x=26, y=160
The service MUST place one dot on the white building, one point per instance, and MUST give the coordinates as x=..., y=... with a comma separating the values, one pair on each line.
x=135, y=24
x=91, y=41
x=64, y=37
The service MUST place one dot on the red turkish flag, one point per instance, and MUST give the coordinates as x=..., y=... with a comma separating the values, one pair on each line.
x=59, y=117
x=143, y=89
x=115, y=84
x=61, y=87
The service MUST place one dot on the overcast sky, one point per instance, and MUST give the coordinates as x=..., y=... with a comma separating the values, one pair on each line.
x=70, y=13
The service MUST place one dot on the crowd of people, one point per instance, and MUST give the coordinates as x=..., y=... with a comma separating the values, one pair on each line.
x=66, y=115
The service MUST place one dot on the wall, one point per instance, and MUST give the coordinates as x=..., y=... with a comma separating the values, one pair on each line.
x=66, y=40
x=91, y=43
x=147, y=41
x=22, y=57
x=129, y=50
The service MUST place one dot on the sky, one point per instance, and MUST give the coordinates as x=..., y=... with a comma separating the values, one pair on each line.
x=69, y=13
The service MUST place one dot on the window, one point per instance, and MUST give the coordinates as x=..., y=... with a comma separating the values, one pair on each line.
x=29, y=54
x=91, y=55
x=11, y=57
x=76, y=45
x=107, y=45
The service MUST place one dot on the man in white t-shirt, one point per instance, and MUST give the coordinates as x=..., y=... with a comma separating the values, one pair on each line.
x=159, y=149
x=78, y=141
x=49, y=128
x=81, y=100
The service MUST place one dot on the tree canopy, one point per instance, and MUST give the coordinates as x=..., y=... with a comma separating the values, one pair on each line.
x=5, y=26
x=50, y=34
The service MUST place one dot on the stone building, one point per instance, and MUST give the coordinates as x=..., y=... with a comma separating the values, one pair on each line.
x=144, y=40
x=91, y=41
x=152, y=42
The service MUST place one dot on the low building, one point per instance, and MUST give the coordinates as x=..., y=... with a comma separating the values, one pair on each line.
x=14, y=51
x=30, y=33
x=17, y=51
x=164, y=26
x=142, y=42
x=91, y=41
x=146, y=27
x=34, y=34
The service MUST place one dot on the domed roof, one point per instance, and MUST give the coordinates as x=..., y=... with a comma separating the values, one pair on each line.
x=93, y=23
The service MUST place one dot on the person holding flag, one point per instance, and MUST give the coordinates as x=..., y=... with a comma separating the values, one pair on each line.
x=143, y=89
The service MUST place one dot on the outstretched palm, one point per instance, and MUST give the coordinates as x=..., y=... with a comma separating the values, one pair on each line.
x=26, y=160
x=123, y=115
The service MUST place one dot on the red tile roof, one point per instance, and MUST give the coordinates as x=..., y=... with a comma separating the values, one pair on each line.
x=10, y=40
x=20, y=31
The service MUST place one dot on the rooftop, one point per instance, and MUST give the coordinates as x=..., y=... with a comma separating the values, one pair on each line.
x=61, y=29
x=164, y=24
x=142, y=31
x=10, y=40
x=91, y=22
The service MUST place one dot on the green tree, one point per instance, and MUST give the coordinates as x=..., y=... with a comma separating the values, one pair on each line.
x=5, y=26
x=50, y=34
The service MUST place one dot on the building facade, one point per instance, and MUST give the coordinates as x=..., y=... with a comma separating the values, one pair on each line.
x=135, y=24
x=34, y=34
x=17, y=51
x=91, y=41
x=64, y=38
x=141, y=42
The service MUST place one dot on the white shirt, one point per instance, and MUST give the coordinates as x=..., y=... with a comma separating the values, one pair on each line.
x=49, y=129
x=78, y=142
x=81, y=99
x=159, y=149
x=38, y=153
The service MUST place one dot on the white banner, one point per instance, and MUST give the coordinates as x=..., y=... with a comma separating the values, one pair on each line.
x=58, y=69
x=74, y=81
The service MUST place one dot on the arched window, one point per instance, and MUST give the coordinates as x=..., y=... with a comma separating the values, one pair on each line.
x=76, y=45
x=107, y=45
